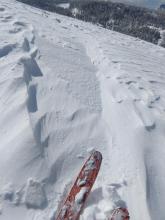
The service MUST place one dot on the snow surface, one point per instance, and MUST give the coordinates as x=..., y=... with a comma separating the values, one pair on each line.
x=64, y=5
x=67, y=87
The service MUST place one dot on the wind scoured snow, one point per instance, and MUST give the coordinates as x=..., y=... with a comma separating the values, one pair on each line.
x=67, y=87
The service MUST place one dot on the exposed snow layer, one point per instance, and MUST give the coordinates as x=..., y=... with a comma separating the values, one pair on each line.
x=67, y=87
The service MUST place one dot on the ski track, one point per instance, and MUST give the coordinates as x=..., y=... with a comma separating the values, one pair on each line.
x=66, y=88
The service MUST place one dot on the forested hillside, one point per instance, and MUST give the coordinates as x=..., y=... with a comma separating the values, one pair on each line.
x=135, y=21
x=139, y=22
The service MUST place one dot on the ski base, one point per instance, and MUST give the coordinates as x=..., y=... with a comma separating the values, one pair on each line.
x=75, y=201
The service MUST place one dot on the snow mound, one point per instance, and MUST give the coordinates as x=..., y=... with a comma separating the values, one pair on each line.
x=35, y=195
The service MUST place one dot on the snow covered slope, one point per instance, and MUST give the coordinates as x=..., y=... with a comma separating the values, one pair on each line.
x=67, y=87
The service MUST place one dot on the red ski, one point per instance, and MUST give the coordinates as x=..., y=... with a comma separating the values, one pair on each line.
x=120, y=214
x=75, y=201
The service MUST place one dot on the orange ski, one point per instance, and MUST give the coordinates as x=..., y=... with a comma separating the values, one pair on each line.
x=120, y=214
x=79, y=192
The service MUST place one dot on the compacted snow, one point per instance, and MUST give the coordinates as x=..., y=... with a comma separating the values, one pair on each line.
x=66, y=88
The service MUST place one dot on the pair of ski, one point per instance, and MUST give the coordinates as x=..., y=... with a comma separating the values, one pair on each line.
x=76, y=199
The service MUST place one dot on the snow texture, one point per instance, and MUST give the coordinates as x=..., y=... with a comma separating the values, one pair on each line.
x=80, y=196
x=68, y=87
x=34, y=195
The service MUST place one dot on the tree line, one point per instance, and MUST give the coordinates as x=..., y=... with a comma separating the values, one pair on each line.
x=131, y=20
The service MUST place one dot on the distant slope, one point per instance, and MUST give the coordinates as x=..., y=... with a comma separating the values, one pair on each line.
x=49, y=5
x=135, y=21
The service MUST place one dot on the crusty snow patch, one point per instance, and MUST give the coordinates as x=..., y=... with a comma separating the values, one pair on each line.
x=35, y=196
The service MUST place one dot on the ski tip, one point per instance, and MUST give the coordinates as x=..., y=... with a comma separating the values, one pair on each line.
x=97, y=155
